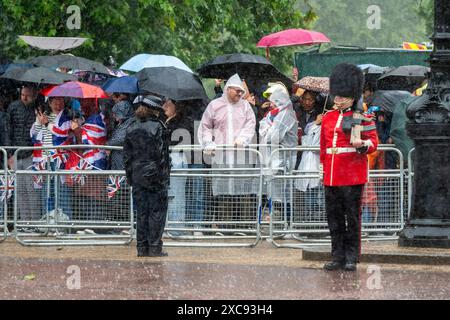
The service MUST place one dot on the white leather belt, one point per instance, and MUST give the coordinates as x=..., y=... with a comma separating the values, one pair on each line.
x=340, y=150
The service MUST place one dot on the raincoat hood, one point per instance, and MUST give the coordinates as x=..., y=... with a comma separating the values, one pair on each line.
x=235, y=82
x=274, y=87
x=280, y=97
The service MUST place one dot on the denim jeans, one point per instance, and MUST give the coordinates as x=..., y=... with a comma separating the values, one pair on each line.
x=177, y=196
x=195, y=197
x=48, y=195
x=29, y=205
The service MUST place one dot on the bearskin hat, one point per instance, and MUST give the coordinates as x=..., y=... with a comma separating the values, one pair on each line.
x=347, y=80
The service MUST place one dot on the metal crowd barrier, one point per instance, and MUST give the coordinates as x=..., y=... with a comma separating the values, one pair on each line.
x=298, y=213
x=267, y=203
x=4, y=190
x=410, y=179
x=208, y=205
x=70, y=207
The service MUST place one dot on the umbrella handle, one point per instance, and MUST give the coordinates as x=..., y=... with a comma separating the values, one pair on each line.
x=325, y=104
x=267, y=53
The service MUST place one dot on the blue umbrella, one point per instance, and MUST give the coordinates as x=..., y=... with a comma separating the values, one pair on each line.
x=127, y=84
x=373, y=69
x=367, y=66
x=144, y=60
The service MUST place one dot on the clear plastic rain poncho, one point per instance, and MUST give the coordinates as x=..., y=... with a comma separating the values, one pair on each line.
x=227, y=123
x=277, y=130
x=310, y=159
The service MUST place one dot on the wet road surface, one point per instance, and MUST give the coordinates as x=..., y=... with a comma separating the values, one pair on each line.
x=49, y=273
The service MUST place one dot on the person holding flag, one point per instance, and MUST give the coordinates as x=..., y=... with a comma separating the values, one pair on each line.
x=52, y=128
x=91, y=130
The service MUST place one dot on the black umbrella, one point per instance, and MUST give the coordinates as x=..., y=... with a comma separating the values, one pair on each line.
x=69, y=62
x=407, y=78
x=7, y=67
x=372, y=73
x=388, y=99
x=38, y=75
x=252, y=68
x=171, y=82
x=370, y=69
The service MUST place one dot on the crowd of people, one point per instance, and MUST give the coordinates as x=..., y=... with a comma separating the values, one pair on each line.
x=273, y=116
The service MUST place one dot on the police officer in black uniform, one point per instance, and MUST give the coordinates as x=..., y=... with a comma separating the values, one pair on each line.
x=147, y=166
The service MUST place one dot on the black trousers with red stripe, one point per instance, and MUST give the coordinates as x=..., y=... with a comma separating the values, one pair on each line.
x=343, y=207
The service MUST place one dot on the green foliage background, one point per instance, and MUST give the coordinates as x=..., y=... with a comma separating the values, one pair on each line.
x=193, y=30
x=345, y=21
x=198, y=30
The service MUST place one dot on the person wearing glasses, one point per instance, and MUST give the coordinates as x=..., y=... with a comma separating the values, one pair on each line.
x=230, y=120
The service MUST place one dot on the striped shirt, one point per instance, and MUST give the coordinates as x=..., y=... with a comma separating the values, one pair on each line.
x=47, y=134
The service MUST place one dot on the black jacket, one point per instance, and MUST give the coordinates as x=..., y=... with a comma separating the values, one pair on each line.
x=185, y=123
x=20, y=121
x=304, y=118
x=117, y=140
x=146, y=154
x=181, y=132
x=4, y=137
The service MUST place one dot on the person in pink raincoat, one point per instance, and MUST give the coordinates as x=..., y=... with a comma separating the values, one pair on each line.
x=230, y=120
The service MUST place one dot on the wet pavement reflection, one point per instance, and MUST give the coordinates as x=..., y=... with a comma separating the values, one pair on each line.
x=46, y=278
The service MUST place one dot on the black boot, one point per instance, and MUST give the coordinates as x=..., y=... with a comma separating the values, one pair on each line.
x=334, y=265
x=350, y=266
x=157, y=253
x=142, y=251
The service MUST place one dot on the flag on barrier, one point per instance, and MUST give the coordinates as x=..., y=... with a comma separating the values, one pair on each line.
x=60, y=157
x=38, y=180
x=6, y=187
x=114, y=185
x=82, y=165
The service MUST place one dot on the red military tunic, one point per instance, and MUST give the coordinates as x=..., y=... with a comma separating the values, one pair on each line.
x=342, y=165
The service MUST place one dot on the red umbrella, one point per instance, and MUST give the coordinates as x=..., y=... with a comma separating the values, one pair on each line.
x=292, y=37
x=75, y=89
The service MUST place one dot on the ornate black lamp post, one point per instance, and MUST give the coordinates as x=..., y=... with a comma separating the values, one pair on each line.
x=429, y=126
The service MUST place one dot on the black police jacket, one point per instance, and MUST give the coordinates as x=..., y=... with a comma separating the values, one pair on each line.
x=146, y=154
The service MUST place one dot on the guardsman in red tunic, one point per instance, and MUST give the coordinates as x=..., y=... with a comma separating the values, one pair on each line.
x=346, y=139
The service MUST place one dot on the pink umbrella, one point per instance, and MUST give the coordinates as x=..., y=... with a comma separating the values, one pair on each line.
x=292, y=37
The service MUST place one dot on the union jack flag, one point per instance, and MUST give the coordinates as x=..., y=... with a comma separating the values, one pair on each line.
x=94, y=133
x=82, y=165
x=38, y=180
x=6, y=188
x=114, y=185
x=59, y=156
